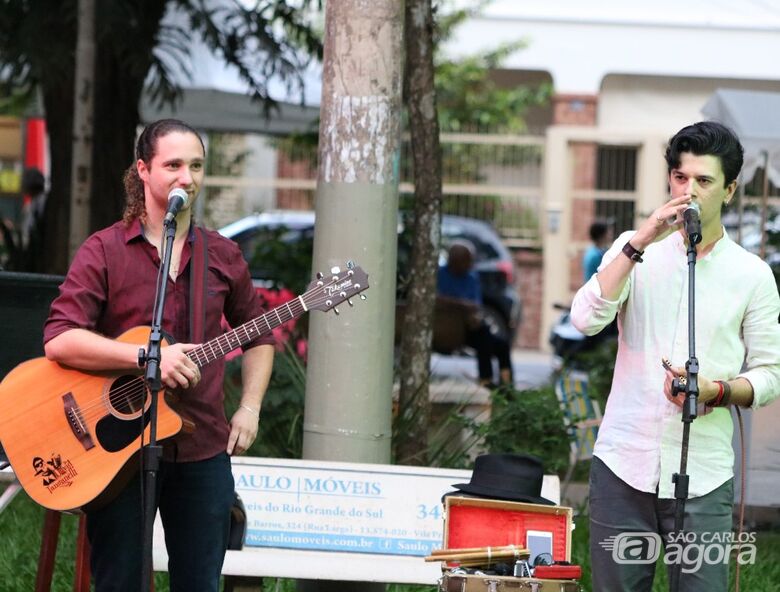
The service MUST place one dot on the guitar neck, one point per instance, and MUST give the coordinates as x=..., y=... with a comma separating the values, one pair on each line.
x=322, y=294
x=249, y=331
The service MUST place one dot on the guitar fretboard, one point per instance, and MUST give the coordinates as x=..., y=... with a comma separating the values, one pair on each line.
x=262, y=325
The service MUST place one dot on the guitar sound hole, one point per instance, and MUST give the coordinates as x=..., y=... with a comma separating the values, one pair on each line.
x=127, y=396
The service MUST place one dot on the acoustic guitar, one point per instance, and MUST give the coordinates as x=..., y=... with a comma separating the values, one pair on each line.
x=69, y=434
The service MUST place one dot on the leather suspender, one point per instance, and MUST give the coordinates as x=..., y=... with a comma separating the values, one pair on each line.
x=198, y=295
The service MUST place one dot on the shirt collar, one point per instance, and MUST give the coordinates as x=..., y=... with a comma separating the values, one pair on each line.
x=720, y=245
x=723, y=242
x=136, y=230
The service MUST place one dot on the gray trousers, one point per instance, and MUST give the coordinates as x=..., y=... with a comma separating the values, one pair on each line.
x=622, y=562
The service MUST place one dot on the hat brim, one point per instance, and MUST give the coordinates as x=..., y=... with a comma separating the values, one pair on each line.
x=503, y=494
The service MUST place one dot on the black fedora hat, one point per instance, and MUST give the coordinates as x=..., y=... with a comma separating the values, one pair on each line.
x=512, y=477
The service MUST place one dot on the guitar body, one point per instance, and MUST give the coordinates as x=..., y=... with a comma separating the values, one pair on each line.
x=70, y=434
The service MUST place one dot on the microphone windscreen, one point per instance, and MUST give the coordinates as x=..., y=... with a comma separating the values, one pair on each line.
x=178, y=192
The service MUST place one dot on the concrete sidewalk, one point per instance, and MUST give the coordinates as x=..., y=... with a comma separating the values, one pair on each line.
x=576, y=496
x=531, y=368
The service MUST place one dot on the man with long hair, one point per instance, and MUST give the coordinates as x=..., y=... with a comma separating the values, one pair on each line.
x=109, y=289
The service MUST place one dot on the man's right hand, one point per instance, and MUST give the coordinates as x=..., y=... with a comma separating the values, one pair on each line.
x=176, y=369
x=656, y=227
x=612, y=279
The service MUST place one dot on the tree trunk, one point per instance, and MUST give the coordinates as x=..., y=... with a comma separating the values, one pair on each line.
x=357, y=218
x=58, y=103
x=417, y=329
x=120, y=71
x=83, y=117
x=349, y=376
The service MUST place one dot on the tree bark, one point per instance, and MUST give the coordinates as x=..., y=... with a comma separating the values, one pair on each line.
x=417, y=329
x=58, y=103
x=349, y=378
x=357, y=218
x=127, y=37
x=120, y=71
x=83, y=118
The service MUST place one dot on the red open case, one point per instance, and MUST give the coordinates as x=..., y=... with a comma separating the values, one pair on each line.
x=477, y=522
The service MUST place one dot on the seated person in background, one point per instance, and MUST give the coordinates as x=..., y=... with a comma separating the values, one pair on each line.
x=458, y=284
x=601, y=239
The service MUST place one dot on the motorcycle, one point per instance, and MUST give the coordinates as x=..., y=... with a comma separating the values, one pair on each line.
x=568, y=342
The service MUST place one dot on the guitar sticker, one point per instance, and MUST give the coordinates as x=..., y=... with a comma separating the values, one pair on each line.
x=53, y=472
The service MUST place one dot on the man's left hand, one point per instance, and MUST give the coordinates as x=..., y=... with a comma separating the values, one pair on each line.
x=243, y=430
x=708, y=390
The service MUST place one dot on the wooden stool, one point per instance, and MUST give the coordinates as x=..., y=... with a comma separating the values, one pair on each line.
x=81, y=579
x=51, y=534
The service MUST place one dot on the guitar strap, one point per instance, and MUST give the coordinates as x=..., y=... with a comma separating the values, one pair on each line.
x=198, y=280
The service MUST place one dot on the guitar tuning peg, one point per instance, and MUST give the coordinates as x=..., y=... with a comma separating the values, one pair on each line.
x=349, y=301
x=350, y=264
x=362, y=296
x=336, y=310
x=335, y=270
x=319, y=275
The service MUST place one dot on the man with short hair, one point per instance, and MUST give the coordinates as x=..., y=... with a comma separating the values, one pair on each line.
x=600, y=238
x=643, y=279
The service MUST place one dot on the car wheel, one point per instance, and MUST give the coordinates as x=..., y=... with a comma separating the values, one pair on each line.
x=496, y=322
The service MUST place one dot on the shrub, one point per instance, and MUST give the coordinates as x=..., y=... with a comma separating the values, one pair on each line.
x=528, y=421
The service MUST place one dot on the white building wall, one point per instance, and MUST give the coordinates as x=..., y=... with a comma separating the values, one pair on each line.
x=580, y=43
x=260, y=163
x=662, y=104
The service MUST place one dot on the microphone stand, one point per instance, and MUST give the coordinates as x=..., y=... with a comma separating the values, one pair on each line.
x=689, y=413
x=152, y=452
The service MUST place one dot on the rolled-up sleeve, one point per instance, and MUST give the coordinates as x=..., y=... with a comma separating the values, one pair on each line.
x=761, y=335
x=590, y=313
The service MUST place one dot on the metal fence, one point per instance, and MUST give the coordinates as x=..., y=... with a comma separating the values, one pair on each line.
x=496, y=178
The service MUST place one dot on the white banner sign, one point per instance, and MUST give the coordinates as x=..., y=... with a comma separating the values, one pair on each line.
x=359, y=508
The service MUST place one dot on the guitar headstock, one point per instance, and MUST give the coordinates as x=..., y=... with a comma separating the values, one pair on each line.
x=328, y=291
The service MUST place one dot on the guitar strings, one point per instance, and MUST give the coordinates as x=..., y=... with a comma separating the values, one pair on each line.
x=134, y=392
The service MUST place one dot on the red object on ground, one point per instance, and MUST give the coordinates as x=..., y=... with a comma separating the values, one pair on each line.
x=558, y=572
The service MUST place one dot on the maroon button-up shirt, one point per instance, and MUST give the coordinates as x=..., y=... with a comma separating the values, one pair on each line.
x=110, y=288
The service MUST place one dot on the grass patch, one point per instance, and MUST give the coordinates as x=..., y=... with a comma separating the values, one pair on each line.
x=22, y=520
x=21, y=524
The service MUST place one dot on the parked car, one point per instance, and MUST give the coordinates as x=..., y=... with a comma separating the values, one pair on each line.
x=293, y=233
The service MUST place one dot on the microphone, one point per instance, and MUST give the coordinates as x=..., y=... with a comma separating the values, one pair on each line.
x=692, y=223
x=177, y=199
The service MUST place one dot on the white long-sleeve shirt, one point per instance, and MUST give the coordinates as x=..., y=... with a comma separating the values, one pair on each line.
x=737, y=308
